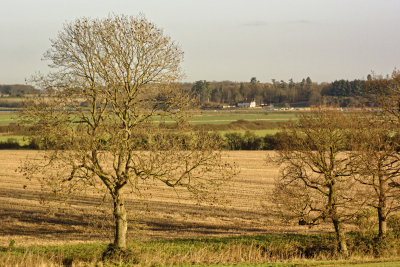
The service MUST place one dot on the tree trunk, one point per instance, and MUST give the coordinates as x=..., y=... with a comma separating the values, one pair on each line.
x=121, y=223
x=382, y=222
x=340, y=238
x=382, y=211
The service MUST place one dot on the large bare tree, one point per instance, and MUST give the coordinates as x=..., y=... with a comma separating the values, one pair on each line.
x=112, y=80
x=315, y=181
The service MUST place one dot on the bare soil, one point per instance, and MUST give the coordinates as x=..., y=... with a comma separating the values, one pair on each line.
x=160, y=213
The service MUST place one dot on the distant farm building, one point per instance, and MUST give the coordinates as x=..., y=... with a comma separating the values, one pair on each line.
x=251, y=104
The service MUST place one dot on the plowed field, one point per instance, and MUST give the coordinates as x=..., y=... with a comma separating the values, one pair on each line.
x=159, y=214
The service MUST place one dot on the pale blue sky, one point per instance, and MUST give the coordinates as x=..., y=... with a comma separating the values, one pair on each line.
x=226, y=39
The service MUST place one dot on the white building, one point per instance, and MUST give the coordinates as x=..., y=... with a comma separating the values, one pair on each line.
x=251, y=104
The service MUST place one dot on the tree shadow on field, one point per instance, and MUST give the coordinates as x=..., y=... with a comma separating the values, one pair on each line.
x=198, y=228
x=22, y=215
x=38, y=223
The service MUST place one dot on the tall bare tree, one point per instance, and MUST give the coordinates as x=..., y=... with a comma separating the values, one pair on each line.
x=315, y=181
x=112, y=79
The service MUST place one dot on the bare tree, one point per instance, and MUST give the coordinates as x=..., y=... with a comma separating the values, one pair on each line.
x=315, y=181
x=376, y=165
x=112, y=80
x=386, y=92
x=379, y=151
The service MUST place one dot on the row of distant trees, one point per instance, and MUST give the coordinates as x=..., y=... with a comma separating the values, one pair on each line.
x=303, y=93
x=216, y=94
x=17, y=90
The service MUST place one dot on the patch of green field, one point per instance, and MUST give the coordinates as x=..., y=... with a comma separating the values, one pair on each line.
x=265, y=264
x=12, y=99
x=372, y=264
x=283, y=116
x=260, y=133
x=7, y=118
x=9, y=109
x=226, y=117
x=207, y=117
x=308, y=263
x=223, y=117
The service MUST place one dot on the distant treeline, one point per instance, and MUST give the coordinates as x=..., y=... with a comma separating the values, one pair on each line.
x=217, y=94
x=17, y=90
x=304, y=93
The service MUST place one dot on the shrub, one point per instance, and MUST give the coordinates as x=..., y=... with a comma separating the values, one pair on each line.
x=367, y=222
x=394, y=225
x=11, y=143
x=233, y=141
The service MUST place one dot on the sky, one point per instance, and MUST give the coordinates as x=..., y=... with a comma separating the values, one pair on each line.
x=225, y=39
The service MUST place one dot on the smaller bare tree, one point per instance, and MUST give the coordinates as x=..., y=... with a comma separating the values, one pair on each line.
x=386, y=92
x=315, y=181
x=376, y=165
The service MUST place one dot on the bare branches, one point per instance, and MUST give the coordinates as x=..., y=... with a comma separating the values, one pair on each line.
x=112, y=80
x=386, y=92
x=375, y=164
x=315, y=182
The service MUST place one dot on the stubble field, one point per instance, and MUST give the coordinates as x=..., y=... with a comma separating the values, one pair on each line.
x=160, y=213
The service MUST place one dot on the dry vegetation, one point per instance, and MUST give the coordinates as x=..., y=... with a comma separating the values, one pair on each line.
x=160, y=213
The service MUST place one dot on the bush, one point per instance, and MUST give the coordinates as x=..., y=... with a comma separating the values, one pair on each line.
x=394, y=225
x=270, y=142
x=233, y=141
x=250, y=141
x=115, y=256
x=11, y=143
x=366, y=242
x=367, y=222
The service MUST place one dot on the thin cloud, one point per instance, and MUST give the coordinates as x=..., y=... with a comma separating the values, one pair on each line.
x=300, y=21
x=256, y=24
x=264, y=23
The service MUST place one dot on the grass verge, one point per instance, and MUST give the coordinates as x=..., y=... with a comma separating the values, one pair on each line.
x=266, y=250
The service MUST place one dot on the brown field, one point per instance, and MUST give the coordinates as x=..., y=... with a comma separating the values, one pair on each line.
x=160, y=213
